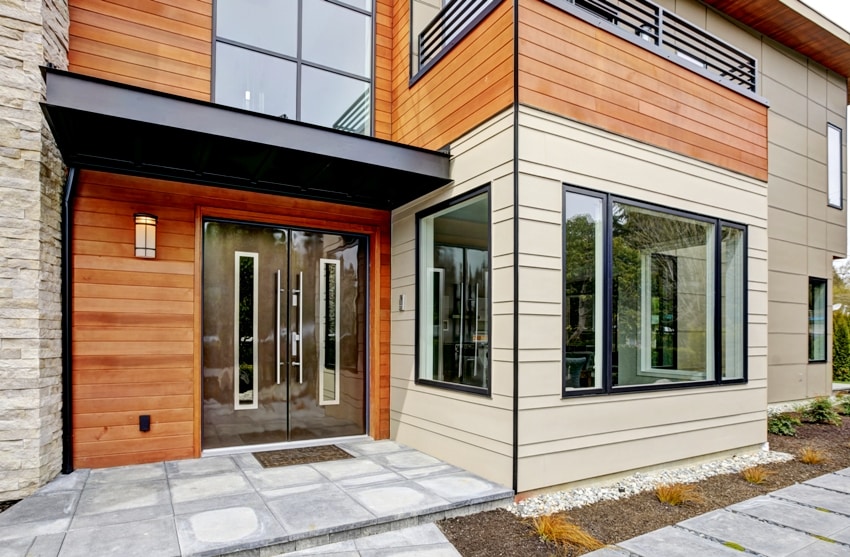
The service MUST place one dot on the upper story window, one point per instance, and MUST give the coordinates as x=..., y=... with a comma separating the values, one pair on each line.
x=306, y=60
x=834, y=167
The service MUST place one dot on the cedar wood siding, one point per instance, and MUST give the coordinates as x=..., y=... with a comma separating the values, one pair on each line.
x=577, y=70
x=164, y=45
x=136, y=322
x=470, y=85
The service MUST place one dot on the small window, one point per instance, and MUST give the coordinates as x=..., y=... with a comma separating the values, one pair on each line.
x=453, y=297
x=834, y=166
x=817, y=320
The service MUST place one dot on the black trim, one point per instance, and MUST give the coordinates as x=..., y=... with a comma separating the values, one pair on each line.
x=108, y=126
x=515, y=362
x=608, y=387
x=67, y=307
x=812, y=282
x=841, y=151
x=479, y=191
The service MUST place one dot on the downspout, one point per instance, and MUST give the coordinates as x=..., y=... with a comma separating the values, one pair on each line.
x=515, y=455
x=67, y=276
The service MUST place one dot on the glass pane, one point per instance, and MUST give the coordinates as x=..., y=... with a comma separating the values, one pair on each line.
x=246, y=334
x=258, y=82
x=335, y=101
x=267, y=24
x=732, y=318
x=817, y=320
x=337, y=37
x=583, y=291
x=454, y=326
x=662, y=321
x=328, y=331
x=834, y=164
x=362, y=4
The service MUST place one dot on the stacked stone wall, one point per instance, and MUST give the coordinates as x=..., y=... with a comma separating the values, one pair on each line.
x=32, y=34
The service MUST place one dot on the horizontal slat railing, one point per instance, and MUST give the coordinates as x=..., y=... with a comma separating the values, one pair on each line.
x=448, y=27
x=677, y=36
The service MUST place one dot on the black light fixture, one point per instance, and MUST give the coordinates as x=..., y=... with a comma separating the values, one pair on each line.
x=145, y=235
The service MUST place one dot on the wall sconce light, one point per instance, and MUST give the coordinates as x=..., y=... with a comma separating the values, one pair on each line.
x=145, y=235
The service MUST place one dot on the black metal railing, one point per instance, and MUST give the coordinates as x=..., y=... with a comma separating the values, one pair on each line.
x=655, y=25
x=448, y=27
x=643, y=19
x=355, y=119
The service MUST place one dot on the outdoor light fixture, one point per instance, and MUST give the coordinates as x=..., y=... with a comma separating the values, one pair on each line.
x=145, y=235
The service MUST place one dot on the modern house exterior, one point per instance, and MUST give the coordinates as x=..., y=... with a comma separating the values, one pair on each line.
x=544, y=240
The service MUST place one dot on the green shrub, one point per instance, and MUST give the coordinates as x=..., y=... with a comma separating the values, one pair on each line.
x=821, y=411
x=840, y=346
x=844, y=406
x=783, y=424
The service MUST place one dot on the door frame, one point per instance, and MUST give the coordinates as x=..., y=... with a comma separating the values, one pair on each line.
x=319, y=216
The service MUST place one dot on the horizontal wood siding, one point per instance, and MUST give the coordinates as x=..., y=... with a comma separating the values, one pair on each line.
x=578, y=70
x=383, y=69
x=164, y=45
x=471, y=84
x=136, y=322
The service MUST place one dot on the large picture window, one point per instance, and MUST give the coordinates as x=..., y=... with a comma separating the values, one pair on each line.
x=817, y=320
x=453, y=294
x=673, y=284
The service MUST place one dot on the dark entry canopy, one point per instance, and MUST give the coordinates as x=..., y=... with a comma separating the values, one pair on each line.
x=108, y=126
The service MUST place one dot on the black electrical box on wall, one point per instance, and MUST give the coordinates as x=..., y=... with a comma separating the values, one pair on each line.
x=145, y=423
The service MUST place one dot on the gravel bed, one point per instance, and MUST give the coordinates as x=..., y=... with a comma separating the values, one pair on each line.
x=797, y=406
x=548, y=503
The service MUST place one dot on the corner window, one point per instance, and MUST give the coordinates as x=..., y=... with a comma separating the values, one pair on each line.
x=673, y=284
x=834, y=167
x=817, y=320
x=453, y=294
x=312, y=64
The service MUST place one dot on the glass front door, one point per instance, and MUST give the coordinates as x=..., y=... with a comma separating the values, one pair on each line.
x=284, y=335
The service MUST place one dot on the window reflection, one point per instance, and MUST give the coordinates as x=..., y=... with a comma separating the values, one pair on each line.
x=454, y=329
x=253, y=81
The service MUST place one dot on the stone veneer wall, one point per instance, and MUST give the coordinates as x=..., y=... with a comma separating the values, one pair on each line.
x=33, y=33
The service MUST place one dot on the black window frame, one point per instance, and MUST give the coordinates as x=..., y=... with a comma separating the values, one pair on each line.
x=606, y=321
x=301, y=62
x=418, y=380
x=821, y=282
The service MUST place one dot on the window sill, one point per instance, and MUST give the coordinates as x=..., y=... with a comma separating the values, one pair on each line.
x=457, y=387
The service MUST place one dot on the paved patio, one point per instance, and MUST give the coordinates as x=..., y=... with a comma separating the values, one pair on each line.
x=230, y=505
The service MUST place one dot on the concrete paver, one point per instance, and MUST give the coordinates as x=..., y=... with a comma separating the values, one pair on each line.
x=227, y=504
x=803, y=520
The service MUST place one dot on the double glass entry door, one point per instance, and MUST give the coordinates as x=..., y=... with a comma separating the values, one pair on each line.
x=284, y=334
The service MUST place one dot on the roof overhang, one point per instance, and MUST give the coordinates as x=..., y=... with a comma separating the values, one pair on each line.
x=108, y=126
x=796, y=25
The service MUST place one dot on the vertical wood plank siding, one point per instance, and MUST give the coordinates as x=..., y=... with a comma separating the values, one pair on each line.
x=160, y=45
x=575, y=69
x=469, y=85
x=136, y=322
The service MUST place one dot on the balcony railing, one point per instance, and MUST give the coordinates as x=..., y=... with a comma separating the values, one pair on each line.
x=684, y=40
x=636, y=19
x=448, y=27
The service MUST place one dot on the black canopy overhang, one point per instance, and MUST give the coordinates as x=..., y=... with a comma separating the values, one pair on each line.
x=108, y=126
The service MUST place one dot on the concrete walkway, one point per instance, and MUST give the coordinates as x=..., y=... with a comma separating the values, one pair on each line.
x=230, y=505
x=811, y=519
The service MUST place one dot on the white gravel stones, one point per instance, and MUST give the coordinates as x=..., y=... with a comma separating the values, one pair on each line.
x=642, y=481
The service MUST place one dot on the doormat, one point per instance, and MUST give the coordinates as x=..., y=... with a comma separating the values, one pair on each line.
x=304, y=455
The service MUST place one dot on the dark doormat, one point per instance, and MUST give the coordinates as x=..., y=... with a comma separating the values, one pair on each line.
x=304, y=455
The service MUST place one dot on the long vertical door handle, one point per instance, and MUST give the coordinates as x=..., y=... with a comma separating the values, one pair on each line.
x=300, y=326
x=277, y=326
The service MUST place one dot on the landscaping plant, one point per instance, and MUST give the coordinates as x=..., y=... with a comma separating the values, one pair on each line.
x=821, y=411
x=809, y=455
x=756, y=474
x=555, y=528
x=783, y=424
x=840, y=346
x=678, y=494
x=844, y=406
